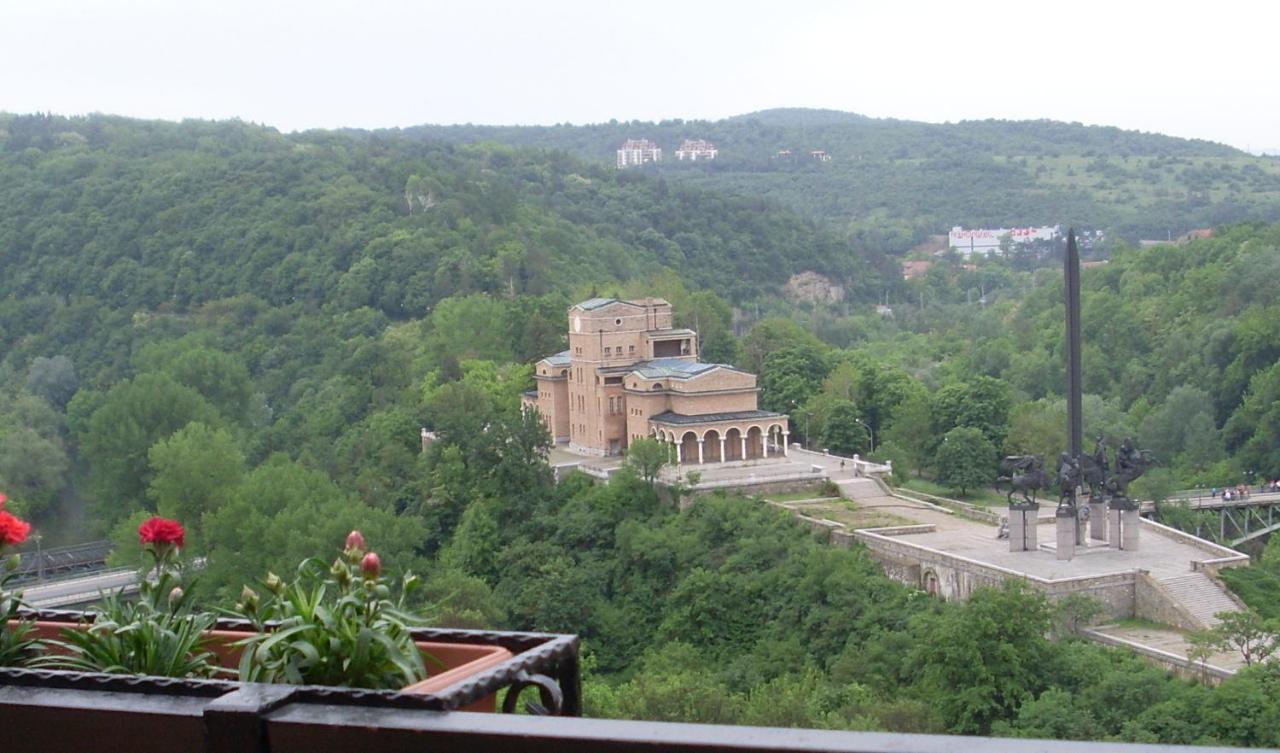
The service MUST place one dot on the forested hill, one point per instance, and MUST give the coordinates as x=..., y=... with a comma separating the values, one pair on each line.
x=893, y=182
x=148, y=214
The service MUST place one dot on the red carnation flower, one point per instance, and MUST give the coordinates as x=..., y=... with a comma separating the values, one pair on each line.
x=12, y=530
x=371, y=566
x=162, y=531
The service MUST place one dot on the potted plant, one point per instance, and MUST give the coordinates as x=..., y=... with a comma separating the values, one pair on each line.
x=158, y=634
x=17, y=641
x=336, y=626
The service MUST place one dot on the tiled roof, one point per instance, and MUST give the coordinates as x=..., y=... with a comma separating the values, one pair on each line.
x=677, y=368
x=680, y=419
x=595, y=303
x=559, y=359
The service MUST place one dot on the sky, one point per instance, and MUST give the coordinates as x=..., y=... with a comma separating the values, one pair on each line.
x=1203, y=70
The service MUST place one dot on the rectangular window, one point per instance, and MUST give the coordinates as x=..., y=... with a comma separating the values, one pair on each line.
x=631, y=350
x=608, y=352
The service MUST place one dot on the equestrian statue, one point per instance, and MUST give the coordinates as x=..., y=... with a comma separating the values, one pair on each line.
x=1024, y=474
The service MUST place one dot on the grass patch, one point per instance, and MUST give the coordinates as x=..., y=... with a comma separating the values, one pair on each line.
x=814, y=493
x=1256, y=587
x=1138, y=623
x=855, y=516
x=985, y=497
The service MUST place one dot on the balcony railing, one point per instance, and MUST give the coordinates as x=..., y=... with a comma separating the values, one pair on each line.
x=48, y=711
x=43, y=715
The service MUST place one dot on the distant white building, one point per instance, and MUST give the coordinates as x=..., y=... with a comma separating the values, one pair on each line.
x=696, y=149
x=819, y=155
x=638, y=152
x=970, y=242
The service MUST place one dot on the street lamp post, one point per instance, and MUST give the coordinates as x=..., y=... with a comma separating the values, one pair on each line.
x=871, y=434
x=808, y=443
x=39, y=557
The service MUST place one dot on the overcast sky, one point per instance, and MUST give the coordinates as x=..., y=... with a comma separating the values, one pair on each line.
x=1207, y=70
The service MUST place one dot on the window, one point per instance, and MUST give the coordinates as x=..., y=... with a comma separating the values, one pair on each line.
x=608, y=352
x=611, y=406
x=631, y=349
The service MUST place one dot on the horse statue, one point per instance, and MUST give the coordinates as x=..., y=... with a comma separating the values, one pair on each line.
x=1130, y=464
x=1025, y=474
x=1069, y=476
x=1094, y=469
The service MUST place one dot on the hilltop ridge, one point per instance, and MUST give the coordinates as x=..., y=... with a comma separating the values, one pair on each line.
x=891, y=183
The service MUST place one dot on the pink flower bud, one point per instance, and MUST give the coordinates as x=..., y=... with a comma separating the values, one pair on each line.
x=355, y=540
x=371, y=566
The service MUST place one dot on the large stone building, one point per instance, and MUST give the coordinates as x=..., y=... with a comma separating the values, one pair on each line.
x=628, y=373
x=638, y=152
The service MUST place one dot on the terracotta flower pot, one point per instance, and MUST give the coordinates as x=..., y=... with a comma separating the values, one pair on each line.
x=447, y=663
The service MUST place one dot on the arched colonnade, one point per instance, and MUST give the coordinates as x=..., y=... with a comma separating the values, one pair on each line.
x=718, y=444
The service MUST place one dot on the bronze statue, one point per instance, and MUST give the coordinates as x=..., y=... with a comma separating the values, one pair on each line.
x=1068, y=480
x=1025, y=474
x=1130, y=464
x=1094, y=469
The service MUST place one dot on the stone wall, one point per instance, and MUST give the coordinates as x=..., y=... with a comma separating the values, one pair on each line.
x=1180, y=665
x=1153, y=602
x=954, y=578
x=1224, y=556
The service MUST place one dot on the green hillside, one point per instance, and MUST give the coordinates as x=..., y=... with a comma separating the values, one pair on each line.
x=313, y=280
x=892, y=182
x=142, y=214
x=247, y=331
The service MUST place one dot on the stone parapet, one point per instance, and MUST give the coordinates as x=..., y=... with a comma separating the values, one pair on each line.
x=1152, y=601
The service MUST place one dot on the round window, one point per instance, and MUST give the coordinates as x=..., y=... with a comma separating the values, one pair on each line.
x=618, y=322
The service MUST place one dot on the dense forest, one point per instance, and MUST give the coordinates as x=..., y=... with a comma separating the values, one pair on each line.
x=246, y=330
x=891, y=183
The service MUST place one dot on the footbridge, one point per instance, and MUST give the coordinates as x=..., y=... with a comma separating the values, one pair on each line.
x=1231, y=521
x=71, y=576
x=77, y=558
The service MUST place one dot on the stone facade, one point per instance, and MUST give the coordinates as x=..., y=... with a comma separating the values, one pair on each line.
x=629, y=373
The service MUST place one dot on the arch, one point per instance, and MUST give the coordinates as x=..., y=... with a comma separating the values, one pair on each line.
x=774, y=436
x=689, y=448
x=711, y=446
x=564, y=372
x=930, y=583
x=755, y=443
x=733, y=444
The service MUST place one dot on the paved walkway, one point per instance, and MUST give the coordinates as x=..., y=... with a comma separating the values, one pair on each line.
x=1170, y=640
x=1166, y=557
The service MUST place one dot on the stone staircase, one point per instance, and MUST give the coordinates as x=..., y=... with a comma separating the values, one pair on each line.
x=1200, y=595
x=860, y=489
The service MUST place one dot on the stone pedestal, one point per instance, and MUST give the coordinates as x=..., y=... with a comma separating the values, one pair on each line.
x=1068, y=526
x=1022, y=527
x=1082, y=526
x=1122, y=517
x=1129, y=527
x=1097, y=519
x=1113, y=524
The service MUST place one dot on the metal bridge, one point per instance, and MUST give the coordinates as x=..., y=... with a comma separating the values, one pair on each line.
x=1238, y=520
x=62, y=560
x=69, y=576
x=70, y=592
